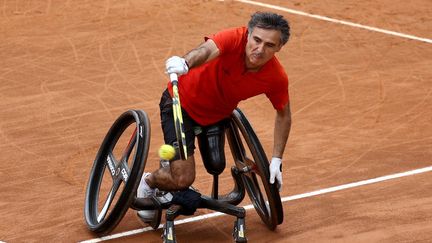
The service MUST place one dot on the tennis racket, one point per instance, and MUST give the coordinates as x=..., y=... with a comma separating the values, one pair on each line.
x=178, y=118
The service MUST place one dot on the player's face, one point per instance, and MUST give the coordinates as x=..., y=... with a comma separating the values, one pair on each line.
x=261, y=46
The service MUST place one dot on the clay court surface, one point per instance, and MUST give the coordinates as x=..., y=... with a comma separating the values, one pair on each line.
x=361, y=103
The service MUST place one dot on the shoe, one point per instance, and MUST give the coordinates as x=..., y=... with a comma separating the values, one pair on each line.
x=146, y=215
x=150, y=218
x=144, y=190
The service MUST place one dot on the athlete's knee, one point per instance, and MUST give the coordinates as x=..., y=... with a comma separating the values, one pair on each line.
x=185, y=181
x=183, y=172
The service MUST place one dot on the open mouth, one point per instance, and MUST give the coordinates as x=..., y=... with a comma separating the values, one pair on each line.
x=256, y=57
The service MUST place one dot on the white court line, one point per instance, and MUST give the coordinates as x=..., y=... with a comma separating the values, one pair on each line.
x=315, y=16
x=284, y=199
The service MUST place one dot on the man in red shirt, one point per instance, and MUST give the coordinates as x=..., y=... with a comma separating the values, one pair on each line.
x=230, y=66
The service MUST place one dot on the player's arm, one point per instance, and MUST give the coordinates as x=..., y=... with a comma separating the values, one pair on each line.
x=205, y=52
x=202, y=54
x=281, y=130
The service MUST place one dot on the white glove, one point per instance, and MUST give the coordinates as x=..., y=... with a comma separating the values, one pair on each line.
x=177, y=65
x=276, y=172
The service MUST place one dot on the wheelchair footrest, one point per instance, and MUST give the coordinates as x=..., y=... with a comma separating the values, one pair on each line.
x=224, y=207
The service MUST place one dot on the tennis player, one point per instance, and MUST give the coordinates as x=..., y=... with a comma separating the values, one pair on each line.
x=228, y=67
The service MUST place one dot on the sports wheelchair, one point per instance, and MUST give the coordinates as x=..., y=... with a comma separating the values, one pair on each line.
x=122, y=158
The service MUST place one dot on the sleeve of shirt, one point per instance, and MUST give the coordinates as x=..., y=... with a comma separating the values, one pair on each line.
x=229, y=39
x=279, y=95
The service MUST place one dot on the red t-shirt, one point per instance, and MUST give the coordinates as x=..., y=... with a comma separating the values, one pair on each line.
x=210, y=92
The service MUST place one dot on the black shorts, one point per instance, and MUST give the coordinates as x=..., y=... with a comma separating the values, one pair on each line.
x=168, y=128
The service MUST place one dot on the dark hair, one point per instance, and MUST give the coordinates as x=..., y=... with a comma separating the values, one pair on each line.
x=268, y=20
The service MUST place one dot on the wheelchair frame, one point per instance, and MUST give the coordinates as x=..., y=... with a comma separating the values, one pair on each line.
x=250, y=173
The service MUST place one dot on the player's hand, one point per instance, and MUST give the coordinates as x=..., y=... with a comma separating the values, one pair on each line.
x=276, y=172
x=177, y=65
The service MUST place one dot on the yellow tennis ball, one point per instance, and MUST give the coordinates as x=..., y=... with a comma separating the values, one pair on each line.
x=166, y=152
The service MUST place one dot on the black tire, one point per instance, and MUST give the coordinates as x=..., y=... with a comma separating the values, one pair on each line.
x=254, y=166
x=122, y=176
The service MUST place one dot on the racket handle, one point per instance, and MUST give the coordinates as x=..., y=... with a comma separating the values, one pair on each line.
x=173, y=77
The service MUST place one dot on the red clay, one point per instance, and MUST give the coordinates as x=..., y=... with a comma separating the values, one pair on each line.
x=361, y=105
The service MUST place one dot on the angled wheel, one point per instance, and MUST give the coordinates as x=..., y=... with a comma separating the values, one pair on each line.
x=116, y=171
x=251, y=160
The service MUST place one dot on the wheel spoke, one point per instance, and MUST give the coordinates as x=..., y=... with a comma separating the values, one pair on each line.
x=118, y=169
x=112, y=164
x=124, y=171
x=128, y=150
x=109, y=200
x=260, y=201
x=237, y=148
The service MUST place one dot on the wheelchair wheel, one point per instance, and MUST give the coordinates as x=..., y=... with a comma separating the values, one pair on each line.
x=253, y=164
x=116, y=171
